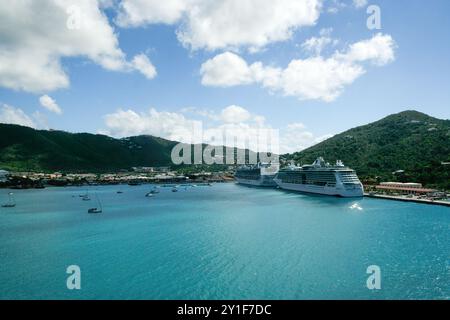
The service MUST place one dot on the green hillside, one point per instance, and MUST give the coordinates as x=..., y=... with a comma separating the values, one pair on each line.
x=26, y=149
x=409, y=141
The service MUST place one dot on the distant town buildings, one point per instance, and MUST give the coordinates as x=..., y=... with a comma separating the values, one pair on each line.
x=151, y=169
x=3, y=175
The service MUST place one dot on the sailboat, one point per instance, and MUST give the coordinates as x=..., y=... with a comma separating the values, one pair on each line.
x=152, y=192
x=11, y=203
x=98, y=209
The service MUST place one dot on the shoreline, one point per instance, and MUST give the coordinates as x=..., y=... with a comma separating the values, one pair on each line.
x=397, y=198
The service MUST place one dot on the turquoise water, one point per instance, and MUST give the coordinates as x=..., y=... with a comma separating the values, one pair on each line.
x=220, y=242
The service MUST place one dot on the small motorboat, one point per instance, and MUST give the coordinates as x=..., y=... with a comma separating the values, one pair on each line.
x=149, y=194
x=174, y=189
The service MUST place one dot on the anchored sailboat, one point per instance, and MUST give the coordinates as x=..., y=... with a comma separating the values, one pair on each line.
x=11, y=203
x=98, y=209
x=152, y=192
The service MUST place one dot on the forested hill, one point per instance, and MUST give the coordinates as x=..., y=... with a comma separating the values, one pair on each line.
x=27, y=149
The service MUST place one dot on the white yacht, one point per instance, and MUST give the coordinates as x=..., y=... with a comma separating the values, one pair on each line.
x=260, y=175
x=321, y=178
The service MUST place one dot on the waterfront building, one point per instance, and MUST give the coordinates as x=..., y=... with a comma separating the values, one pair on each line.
x=404, y=188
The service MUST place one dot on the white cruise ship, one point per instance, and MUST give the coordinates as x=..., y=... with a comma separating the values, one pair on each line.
x=260, y=175
x=321, y=178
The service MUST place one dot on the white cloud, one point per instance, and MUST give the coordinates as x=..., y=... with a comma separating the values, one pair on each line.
x=211, y=115
x=317, y=78
x=360, y=3
x=169, y=125
x=235, y=114
x=334, y=6
x=37, y=34
x=295, y=137
x=225, y=70
x=232, y=120
x=141, y=63
x=50, y=104
x=135, y=13
x=252, y=23
x=313, y=78
x=205, y=24
x=378, y=50
x=316, y=45
x=12, y=115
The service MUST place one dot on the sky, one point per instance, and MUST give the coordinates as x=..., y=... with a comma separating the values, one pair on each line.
x=306, y=68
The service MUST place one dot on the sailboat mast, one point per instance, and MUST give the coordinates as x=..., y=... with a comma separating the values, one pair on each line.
x=99, y=203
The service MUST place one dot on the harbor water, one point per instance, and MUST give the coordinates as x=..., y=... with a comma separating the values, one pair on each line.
x=223, y=241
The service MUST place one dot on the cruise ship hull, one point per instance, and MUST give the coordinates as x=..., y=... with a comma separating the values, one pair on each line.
x=324, y=190
x=263, y=181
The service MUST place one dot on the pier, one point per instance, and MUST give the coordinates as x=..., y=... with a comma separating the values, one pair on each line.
x=402, y=198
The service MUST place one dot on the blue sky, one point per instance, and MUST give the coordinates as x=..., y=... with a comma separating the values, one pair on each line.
x=416, y=77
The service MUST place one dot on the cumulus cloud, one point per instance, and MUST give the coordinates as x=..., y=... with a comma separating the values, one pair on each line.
x=334, y=6
x=142, y=64
x=36, y=35
x=313, y=78
x=235, y=114
x=316, y=45
x=12, y=115
x=231, y=121
x=295, y=137
x=135, y=13
x=379, y=50
x=360, y=3
x=205, y=24
x=169, y=125
x=50, y=104
x=226, y=70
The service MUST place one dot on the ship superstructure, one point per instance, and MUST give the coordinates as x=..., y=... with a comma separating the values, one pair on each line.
x=321, y=178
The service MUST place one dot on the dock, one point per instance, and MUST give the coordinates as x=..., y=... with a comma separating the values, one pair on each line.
x=399, y=198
